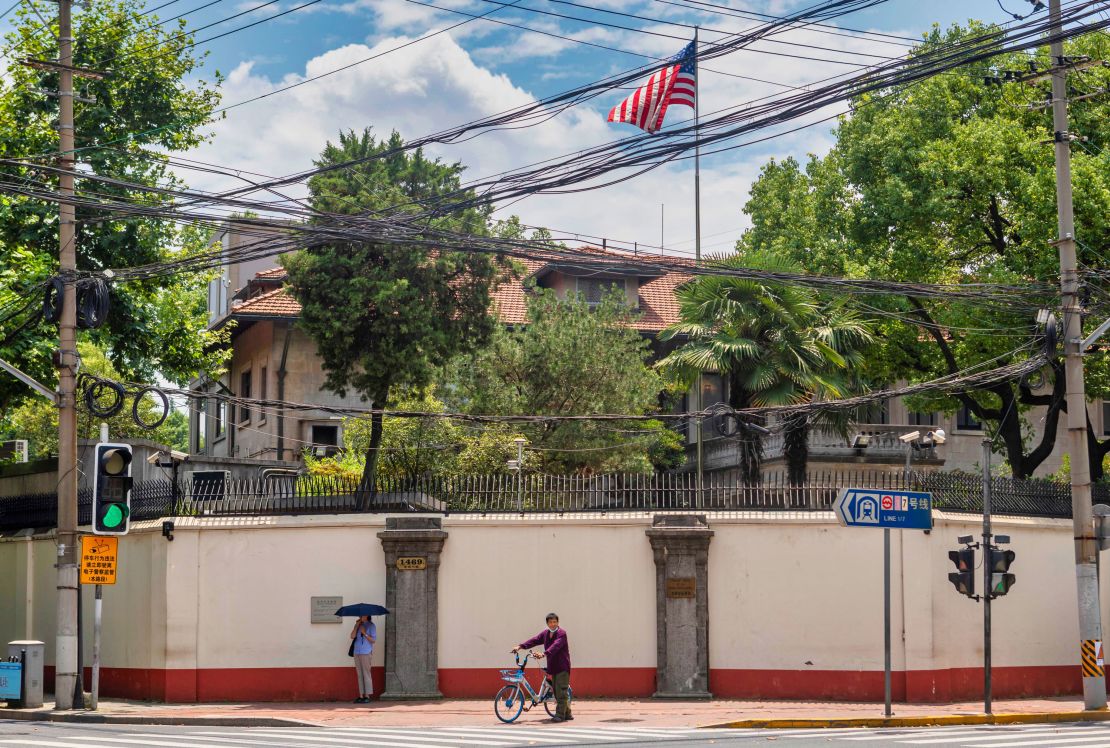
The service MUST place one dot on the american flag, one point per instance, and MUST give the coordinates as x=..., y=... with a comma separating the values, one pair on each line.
x=676, y=83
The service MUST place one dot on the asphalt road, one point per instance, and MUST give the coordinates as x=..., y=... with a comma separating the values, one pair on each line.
x=61, y=735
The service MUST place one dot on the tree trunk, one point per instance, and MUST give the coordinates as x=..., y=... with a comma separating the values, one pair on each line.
x=795, y=448
x=749, y=444
x=368, y=486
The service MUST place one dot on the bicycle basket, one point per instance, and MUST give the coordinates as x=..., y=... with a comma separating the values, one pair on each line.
x=512, y=676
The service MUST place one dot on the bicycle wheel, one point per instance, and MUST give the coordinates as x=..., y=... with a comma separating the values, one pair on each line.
x=508, y=703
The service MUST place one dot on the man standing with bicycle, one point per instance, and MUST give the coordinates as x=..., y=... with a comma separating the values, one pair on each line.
x=557, y=651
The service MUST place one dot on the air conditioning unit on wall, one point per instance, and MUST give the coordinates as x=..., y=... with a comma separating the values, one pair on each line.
x=14, y=450
x=211, y=484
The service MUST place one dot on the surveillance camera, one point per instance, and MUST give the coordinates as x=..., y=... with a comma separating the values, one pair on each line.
x=965, y=539
x=154, y=457
x=939, y=437
x=910, y=437
x=183, y=456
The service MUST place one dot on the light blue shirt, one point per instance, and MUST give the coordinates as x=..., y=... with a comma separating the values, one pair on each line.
x=363, y=645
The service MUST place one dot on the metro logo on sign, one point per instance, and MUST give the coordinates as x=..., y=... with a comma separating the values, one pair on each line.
x=867, y=507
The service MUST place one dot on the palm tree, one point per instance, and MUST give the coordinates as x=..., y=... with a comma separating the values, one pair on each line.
x=775, y=343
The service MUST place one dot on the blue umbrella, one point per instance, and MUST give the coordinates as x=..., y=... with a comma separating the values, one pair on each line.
x=361, y=609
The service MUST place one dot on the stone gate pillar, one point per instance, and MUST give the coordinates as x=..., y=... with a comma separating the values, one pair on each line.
x=681, y=547
x=412, y=550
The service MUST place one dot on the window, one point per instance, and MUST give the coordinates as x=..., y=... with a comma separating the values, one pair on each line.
x=325, y=436
x=875, y=412
x=918, y=418
x=218, y=410
x=245, y=392
x=200, y=418
x=593, y=290
x=262, y=393
x=712, y=393
x=966, y=420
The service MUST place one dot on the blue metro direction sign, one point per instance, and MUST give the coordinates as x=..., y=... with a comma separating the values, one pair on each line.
x=871, y=507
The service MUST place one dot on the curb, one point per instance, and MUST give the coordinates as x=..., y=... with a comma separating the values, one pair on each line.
x=940, y=720
x=95, y=718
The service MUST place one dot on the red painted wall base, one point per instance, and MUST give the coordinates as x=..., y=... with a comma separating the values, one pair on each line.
x=338, y=684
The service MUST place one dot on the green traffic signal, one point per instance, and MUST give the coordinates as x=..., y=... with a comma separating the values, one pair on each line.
x=114, y=515
x=112, y=489
x=1001, y=581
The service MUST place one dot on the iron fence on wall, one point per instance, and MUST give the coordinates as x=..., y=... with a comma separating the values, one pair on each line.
x=295, y=494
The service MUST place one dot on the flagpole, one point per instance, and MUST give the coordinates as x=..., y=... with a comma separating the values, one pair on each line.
x=697, y=240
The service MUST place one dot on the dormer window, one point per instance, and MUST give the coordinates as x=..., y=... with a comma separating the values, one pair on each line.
x=593, y=290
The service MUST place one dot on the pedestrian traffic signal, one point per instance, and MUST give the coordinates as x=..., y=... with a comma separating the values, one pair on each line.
x=1000, y=561
x=112, y=489
x=963, y=579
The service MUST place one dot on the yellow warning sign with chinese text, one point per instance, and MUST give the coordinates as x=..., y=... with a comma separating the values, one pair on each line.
x=98, y=559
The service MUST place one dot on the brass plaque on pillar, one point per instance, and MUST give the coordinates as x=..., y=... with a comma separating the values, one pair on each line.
x=411, y=563
x=682, y=587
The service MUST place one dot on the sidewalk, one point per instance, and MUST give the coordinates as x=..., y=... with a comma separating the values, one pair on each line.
x=600, y=712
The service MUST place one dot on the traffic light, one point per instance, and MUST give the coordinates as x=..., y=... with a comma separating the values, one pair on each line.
x=963, y=579
x=1001, y=581
x=112, y=489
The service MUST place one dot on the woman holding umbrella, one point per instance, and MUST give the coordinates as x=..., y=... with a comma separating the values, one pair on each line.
x=363, y=636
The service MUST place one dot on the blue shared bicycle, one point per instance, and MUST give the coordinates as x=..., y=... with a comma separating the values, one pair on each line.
x=518, y=696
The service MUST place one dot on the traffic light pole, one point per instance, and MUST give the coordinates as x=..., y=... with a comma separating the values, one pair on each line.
x=986, y=576
x=1086, y=550
x=886, y=622
x=65, y=657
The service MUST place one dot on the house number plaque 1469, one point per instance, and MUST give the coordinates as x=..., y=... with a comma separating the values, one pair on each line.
x=412, y=563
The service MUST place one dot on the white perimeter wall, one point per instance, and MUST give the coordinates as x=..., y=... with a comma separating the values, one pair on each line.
x=225, y=605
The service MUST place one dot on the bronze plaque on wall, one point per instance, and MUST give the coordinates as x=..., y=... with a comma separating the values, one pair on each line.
x=682, y=587
x=412, y=563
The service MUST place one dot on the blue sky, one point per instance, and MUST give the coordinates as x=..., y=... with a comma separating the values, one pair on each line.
x=482, y=67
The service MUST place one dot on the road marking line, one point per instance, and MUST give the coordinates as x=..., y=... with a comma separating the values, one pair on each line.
x=1003, y=737
x=548, y=735
x=312, y=737
x=147, y=741
x=1016, y=738
x=1046, y=743
x=502, y=732
x=194, y=736
x=402, y=733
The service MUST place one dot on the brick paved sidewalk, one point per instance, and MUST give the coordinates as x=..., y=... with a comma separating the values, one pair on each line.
x=615, y=712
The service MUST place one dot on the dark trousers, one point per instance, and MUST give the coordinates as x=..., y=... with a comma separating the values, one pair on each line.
x=561, y=681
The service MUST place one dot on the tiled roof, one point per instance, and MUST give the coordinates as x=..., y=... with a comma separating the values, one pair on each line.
x=276, y=303
x=658, y=306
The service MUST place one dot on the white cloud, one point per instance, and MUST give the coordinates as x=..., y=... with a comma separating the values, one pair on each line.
x=436, y=83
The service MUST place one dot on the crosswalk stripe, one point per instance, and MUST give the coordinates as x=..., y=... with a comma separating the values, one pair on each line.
x=584, y=732
x=1003, y=739
x=548, y=735
x=175, y=743
x=311, y=736
x=34, y=741
x=503, y=733
x=195, y=736
x=1039, y=739
x=407, y=734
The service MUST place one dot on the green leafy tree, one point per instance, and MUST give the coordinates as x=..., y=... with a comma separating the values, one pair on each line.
x=573, y=358
x=386, y=317
x=775, y=344
x=151, y=104
x=36, y=419
x=415, y=447
x=949, y=180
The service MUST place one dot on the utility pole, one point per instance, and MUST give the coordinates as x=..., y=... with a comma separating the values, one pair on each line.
x=65, y=663
x=986, y=545
x=1086, y=548
x=699, y=403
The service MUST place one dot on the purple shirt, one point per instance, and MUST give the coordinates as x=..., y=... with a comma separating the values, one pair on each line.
x=555, y=649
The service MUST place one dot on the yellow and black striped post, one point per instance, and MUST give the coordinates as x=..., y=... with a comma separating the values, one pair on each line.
x=1092, y=659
